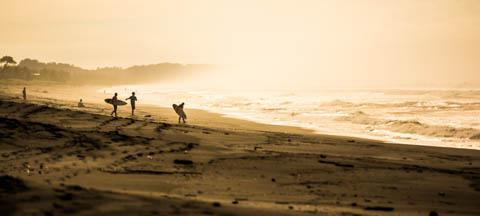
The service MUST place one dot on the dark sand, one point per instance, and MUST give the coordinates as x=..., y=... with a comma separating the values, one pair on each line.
x=56, y=159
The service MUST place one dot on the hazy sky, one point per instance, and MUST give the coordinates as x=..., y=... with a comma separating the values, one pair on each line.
x=308, y=43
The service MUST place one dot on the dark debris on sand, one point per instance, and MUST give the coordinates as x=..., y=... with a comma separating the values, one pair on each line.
x=163, y=126
x=183, y=162
x=9, y=184
x=379, y=208
x=84, y=142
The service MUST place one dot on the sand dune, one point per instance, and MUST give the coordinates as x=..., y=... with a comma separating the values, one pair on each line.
x=56, y=159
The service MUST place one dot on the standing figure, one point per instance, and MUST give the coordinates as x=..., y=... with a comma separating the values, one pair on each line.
x=179, y=110
x=24, y=93
x=132, y=102
x=114, y=103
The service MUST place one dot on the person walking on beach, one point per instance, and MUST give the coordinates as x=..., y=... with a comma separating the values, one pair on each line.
x=132, y=102
x=179, y=110
x=114, y=103
x=24, y=92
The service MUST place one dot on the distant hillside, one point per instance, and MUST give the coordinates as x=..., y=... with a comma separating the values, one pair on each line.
x=31, y=69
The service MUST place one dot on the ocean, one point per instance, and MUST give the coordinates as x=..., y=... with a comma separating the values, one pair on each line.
x=447, y=117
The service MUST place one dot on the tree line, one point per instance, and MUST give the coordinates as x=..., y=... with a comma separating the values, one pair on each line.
x=31, y=69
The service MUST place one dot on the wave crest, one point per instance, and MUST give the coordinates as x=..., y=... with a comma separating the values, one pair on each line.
x=412, y=127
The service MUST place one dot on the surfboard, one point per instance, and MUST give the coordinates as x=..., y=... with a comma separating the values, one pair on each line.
x=179, y=111
x=118, y=103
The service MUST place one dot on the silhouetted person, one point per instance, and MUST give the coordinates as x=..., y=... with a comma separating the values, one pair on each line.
x=132, y=101
x=80, y=103
x=179, y=110
x=114, y=103
x=24, y=92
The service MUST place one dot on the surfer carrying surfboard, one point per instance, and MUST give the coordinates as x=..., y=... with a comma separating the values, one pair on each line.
x=179, y=110
x=114, y=103
x=132, y=102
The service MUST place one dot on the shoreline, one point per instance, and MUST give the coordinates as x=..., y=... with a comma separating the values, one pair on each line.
x=203, y=118
x=151, y=109
x=196, y=115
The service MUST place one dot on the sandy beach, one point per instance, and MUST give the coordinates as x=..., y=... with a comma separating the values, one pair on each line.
x=58, y=159
x=295, y=107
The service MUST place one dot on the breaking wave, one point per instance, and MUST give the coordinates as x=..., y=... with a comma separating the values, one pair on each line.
x=412, y=127
x=415, y=105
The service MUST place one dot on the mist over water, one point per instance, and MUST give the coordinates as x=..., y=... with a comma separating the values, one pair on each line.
x=449, y=118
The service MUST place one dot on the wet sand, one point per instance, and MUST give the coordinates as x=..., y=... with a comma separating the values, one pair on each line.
x=57, y=159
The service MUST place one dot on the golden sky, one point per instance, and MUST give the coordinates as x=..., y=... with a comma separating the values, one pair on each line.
x=311, y=43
